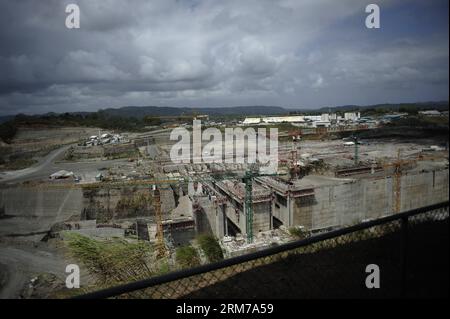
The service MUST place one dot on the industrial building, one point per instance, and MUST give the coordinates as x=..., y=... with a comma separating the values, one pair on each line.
x=323, y=120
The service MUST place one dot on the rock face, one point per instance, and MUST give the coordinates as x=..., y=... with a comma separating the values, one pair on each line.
x=29, y=209
x=125, y=202
x=107, y=204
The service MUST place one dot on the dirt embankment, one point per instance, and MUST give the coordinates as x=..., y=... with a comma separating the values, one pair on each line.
x=33, y=142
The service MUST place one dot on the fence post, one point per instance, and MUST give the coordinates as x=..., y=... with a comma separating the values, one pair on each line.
x=404, y=254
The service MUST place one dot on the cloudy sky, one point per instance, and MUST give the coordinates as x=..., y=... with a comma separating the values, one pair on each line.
x=292, y=53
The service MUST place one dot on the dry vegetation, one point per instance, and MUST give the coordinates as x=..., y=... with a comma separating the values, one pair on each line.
x=113, y=262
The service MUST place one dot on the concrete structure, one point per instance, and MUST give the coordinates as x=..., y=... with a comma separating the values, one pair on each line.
x=325, y=117
x=352, y=116
x=318, y=202
x=220, y=209
x=282, y=119
x=314, y=202
x=430, y=113
x=313, y=118
x=299, y=119
x=252, y=120
x=321, y=124
x=37, y=209
x=323, y=120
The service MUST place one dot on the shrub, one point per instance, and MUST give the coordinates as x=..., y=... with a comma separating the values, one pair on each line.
x=297, y=232
x=187, y=257
x=210, y=247
x=7, y=131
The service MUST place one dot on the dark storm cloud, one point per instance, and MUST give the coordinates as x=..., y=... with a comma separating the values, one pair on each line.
x=211, y=53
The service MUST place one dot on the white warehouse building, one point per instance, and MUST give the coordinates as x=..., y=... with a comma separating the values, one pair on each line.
x=352, y=116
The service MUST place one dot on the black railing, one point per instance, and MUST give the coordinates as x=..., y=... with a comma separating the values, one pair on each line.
x=410, y=248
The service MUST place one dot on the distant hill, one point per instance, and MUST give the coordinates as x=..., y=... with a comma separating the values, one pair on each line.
x=438, y=105
x=141, y=111
x=138, y=118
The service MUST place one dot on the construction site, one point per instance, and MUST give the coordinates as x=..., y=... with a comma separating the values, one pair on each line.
x=324, y=181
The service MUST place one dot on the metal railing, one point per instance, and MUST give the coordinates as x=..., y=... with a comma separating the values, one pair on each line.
x=330, y=264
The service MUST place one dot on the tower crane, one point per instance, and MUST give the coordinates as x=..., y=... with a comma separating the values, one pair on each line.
x=398, y=166
x=154, y=185
x=160, y=246
x=356, y=156
x=294, y=168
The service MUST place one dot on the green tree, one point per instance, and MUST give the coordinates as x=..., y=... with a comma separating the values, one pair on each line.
x=7, y=131
x=151, y=120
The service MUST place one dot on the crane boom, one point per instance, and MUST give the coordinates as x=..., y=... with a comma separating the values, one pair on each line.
x=161, y=249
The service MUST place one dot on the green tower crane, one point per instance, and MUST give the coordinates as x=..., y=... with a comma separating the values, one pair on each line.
x=356, y=157
x=248, y=204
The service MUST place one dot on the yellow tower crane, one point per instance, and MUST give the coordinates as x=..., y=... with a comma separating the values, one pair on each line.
x=398, y=166
x=160, y=246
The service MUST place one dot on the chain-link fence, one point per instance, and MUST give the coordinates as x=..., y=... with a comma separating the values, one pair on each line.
x=411, y=251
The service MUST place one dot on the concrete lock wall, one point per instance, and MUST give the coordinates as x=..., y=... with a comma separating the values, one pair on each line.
x=261, y=217
x=339, y=204
x=424, y=189
x=209, y=218
x=36, y=209
x=40, y=201
x=352, y=202
x=281, y=208
x=335, y=205
x=236, y=217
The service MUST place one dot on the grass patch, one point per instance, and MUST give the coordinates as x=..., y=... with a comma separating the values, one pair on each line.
x=134, y=154
x=19, y=164
x=297, y=232
x=134, y=204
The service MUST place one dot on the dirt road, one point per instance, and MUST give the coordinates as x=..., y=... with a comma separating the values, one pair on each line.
x=42, y=166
